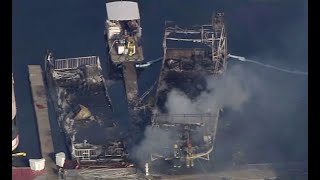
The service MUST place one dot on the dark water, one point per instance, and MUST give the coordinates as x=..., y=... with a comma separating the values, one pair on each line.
x=271, y=31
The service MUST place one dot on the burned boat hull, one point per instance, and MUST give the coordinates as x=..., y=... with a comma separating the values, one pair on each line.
x=190, y=57
x=79, y=94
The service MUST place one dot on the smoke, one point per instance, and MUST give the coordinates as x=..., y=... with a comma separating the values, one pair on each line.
x=260, y=108
x=272, y=124
x=155, y=139
x=230, y=91
x=265, y=111
x=179, y=103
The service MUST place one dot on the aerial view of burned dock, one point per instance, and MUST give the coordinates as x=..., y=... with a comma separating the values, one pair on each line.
x=81, y=99
x=111, y=130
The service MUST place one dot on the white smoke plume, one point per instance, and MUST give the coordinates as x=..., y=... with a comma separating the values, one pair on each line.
x=230, y=91
x=154, y=140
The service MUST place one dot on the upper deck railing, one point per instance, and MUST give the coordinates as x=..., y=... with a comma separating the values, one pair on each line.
x=73, y=63
x=188, y=119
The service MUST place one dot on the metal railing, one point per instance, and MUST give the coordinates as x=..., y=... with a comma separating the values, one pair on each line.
x=85, y=154
x=73, y=63
x=195, y=119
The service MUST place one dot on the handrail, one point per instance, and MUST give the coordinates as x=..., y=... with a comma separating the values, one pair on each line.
x=73, y=63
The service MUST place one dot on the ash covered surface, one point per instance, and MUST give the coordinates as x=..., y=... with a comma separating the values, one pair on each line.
x=85, y=112
x=85, y=106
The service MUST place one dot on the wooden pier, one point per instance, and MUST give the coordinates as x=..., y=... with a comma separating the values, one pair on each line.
x=39, y=97
x=130, y=80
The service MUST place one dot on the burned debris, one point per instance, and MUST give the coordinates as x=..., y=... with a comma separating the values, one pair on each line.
x=190, y=55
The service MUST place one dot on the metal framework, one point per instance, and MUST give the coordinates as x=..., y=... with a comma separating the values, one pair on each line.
x=69, y=63
x=213, y=35
x=88, y=152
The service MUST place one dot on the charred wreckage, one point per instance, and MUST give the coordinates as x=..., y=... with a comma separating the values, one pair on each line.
x=190, y=55
x=79, y=93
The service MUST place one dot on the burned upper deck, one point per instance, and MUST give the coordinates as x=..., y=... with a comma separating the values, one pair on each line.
x=123, y=32
x=190, y=57
x=84, y=109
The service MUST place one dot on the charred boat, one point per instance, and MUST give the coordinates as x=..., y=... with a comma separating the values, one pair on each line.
x=190, y=56
x=79, y=94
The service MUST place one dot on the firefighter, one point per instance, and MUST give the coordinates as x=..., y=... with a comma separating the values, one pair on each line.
x=131, y=48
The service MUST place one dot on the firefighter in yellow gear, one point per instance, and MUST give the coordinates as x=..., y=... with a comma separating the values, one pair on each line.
x=131, y=48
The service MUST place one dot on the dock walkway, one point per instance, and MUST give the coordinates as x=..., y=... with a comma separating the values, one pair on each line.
x=130, y=80
x=41, y=112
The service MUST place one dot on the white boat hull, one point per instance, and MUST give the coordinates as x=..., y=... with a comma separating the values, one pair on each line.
x=15, y=143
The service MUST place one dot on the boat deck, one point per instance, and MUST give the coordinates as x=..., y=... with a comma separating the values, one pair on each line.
x=85, y=106
x=100, y=120
x=185, y=71
x=180, y=108
x=41, y=111
x=86, y=115
x=121, y=58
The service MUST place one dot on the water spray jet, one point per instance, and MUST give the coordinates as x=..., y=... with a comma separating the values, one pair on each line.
x=243, y=59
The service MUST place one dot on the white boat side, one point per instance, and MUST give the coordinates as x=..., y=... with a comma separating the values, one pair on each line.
x=122, y=10
x=15, y=143
x=14, y=109
x=15, y=136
